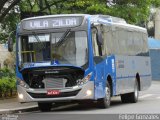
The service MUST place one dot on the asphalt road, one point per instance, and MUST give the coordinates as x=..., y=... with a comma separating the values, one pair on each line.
x=149, y=103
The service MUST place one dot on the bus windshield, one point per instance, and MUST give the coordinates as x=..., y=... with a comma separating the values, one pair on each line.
x=69, y=47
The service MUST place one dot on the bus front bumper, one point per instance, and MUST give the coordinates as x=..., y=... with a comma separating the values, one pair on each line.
x=85, y=92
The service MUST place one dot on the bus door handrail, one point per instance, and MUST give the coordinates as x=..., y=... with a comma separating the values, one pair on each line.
x=30, y=52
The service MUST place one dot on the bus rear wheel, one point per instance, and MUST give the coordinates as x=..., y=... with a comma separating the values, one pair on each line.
x=106, y=101
x=131, y=97
x=45, y=107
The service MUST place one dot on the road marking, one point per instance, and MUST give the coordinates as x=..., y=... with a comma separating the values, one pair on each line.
x=147, y=95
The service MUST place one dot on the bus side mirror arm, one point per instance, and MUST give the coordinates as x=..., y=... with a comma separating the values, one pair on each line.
x=10, y=44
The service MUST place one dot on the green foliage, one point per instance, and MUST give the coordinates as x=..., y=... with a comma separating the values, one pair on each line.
x=7, y=80
x=5, y=72
x=7, y=84
x=97, y=9
x=155, y=3
x=133, y=11
x=26, y=6
x=8, y=25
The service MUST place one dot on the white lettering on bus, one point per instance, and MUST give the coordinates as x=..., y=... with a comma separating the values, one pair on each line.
x=56, y=23
x=65, y=22
x=71, y=21
x=45, y=23
x=39, y=24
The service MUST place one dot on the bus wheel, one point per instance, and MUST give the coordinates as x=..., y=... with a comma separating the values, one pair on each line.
x=45, y=107
x=106, y=101
x=131, y=97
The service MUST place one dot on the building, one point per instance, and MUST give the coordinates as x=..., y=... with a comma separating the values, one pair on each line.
x=6, y=58
x=154, y=46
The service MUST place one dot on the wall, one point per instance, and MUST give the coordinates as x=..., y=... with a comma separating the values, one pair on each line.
x=155, y=63
x=6, y=58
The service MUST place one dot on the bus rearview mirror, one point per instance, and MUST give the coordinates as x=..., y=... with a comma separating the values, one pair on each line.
x=10, y=44
x=99, y=38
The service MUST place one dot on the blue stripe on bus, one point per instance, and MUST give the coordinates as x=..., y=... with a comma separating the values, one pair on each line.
x=125, y=77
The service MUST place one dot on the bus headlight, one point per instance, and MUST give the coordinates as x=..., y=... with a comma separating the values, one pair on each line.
x=20, y=96
x=22, y=83
x=84, y=80
x=89, y=92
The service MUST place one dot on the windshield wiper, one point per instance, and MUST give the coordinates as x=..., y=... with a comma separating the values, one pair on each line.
x=39, y=41
x=63, y=37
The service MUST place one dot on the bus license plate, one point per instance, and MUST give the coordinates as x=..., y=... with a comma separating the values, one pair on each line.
x=53, y=92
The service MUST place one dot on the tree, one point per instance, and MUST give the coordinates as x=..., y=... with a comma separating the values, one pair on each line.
x=8, y=26
x=6, y=6
x=59, y=6
x=8, y=18
x=133, y=11
x=30, y=8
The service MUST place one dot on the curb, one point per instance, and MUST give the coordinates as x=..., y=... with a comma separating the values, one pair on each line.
x=19, y=110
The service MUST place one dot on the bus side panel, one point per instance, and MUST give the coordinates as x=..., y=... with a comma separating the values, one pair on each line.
x=110, y=69
x=102, y=70
x=126, y=69
x=99, y=80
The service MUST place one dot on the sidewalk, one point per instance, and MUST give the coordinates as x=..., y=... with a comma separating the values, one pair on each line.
x=12, y=105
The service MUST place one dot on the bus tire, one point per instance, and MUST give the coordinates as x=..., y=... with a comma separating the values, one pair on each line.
x=45, y=107
x=131, y=97
x=106, y=101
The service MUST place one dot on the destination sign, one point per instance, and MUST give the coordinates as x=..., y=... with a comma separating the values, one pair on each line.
x=49, y=23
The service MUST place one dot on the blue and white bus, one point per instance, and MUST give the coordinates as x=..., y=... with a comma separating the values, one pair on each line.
x=76, y=57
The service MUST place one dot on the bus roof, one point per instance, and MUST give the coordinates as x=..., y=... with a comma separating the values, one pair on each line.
x=59, y=15
x=115, y=21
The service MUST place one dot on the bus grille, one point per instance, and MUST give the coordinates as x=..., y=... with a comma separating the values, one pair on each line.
x=63, y=94
x=55, y=82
